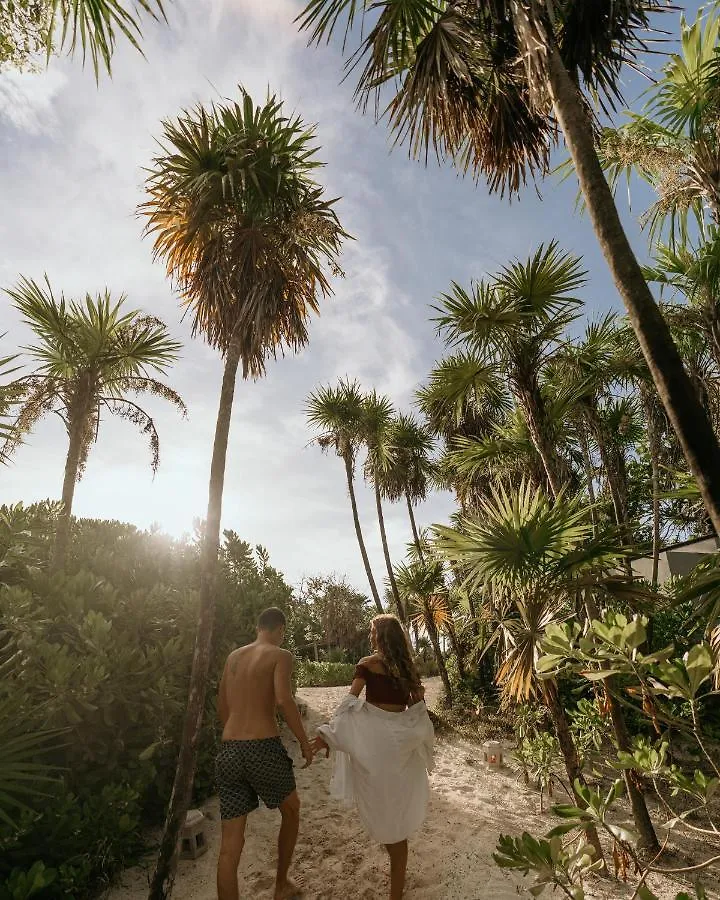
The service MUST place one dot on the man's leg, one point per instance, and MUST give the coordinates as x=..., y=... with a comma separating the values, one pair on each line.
x=398, y=867
x=290, y=812
x=231, y=847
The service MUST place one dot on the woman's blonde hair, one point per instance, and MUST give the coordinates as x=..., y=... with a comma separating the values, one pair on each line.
x=392, y=643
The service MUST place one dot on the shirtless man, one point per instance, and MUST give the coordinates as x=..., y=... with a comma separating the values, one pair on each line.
x=252, y=762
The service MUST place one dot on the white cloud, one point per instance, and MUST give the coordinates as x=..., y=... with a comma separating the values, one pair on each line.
x=27, y=100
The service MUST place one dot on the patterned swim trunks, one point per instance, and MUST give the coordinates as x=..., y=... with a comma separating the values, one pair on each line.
x=248, y=770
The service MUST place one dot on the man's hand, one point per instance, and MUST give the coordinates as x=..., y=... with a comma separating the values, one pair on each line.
x=319, y=744
x=308, y=753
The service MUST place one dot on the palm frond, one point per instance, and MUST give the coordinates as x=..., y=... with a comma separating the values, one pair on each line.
x=93, y=26
x=243, y=230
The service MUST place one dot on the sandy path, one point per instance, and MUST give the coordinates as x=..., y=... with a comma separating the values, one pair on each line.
x=450, y=859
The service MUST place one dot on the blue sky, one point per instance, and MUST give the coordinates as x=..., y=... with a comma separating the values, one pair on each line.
x=71, y=179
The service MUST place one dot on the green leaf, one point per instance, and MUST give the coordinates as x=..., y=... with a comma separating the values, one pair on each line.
x=699, y=664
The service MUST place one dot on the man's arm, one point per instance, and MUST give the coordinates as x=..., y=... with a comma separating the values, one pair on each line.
x=222, y=705
x=286, y=702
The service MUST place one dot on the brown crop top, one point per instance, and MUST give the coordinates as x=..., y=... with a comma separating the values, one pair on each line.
x=381, y=688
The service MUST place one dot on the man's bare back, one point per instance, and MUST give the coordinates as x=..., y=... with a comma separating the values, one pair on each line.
x=250, y=691
x=252, y=763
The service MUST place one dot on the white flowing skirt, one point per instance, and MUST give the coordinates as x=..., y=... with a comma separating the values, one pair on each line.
x=381, y=764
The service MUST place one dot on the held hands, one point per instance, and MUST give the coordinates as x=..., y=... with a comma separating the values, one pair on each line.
x=308, y=753
x=319, y=744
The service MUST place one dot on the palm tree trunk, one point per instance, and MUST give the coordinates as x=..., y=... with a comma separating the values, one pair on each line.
x=570, y=756
x=589, y=475
x=647, y=839
x=654, y=452
x=457, y=649
x=531, y=402
x=164, y=875
x=416, y=536
x=432, y=631
x=77, y=425
x=358, y=532
x=690, y=421
x=386, y=554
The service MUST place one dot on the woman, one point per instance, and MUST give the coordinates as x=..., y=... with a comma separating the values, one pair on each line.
x=384, y=745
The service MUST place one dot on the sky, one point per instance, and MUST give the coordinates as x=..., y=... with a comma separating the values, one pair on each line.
x=71, y=178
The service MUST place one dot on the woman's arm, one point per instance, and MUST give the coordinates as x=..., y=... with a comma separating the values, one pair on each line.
x=356, y=688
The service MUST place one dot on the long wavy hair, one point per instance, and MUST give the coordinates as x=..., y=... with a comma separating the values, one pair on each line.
x=393, y=645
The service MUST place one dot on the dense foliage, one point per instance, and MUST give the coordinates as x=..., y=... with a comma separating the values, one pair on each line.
x=95, y=662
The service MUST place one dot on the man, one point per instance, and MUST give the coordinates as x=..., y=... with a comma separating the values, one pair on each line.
x=252, y=763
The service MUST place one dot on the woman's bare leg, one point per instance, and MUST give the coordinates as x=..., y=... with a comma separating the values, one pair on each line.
x=398, y=867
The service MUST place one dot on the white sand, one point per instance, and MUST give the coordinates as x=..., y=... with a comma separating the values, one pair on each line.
x=450, y=859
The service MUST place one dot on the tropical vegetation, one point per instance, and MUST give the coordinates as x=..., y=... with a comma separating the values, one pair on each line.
x=248, y=239
x=32, y=30
x=582, y=452
x=90, y=358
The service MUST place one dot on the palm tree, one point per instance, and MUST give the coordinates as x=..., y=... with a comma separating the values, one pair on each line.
x=486, y=84
x=516, y=320
x=244, y=232
x=693, y=272
x=90, y=356
x=412, y=467
x=464, y=401
x=375, y=427
x=673, y=143
x=465, y=395
x=425, y=594
x=93, y=26
x=336, y=412
x=537, y=557
x=586, y=371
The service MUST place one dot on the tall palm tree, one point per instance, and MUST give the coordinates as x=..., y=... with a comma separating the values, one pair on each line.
x=412, y=467
x=486, y=84
x=375, y=424
x=424, y=591
x=245, y=234
x=516, y=320
x=537, y=557
x=336, y=412
x=90, y=357
x=586, y=371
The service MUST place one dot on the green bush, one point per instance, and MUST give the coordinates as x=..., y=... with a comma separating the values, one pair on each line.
x=98, y=658
x=324, y=674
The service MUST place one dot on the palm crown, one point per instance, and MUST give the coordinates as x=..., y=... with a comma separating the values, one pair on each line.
x=673, y=144
x=90, y=355
x=531, y=555
x=243, y=229
x=335, y=413
x=467, y=77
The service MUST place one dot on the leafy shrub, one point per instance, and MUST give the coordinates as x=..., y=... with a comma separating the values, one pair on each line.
x=324, y=674
x=98, y=660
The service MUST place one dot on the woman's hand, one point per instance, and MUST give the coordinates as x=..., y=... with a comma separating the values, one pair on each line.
x=319, y=744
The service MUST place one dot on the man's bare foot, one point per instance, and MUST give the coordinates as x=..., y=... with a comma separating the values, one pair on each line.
x=288, y=890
